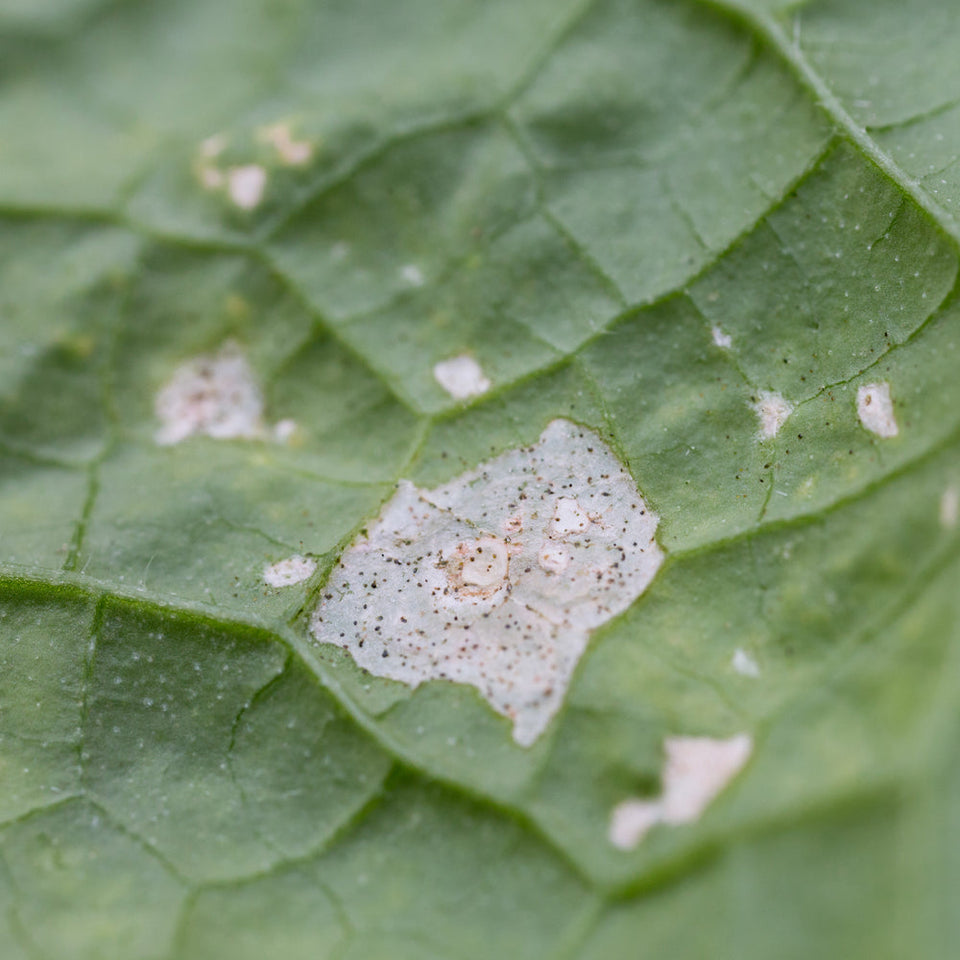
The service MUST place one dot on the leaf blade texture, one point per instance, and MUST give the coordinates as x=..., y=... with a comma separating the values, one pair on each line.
x=260, y=263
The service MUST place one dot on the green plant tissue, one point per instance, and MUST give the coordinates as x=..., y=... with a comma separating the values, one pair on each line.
x=479, y=479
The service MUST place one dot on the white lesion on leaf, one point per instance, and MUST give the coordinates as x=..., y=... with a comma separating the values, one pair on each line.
x=292, y=570
x=721, y=339
x=461, y=376
x=744, y=664
x=412, y=275
x=875, y=409
x=697, y=769
x=478, y=568
x=290, y=151
x=216, y=395
x=569, y=517
x=772, y=411
x=497, y=578
x=554, y=557
x=286, y=431
x=206, y=166
x=245, y=183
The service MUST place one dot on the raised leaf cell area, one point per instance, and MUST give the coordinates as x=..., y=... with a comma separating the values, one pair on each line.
x=497, y=578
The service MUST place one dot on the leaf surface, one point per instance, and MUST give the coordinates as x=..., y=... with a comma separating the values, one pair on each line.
x=652, y=219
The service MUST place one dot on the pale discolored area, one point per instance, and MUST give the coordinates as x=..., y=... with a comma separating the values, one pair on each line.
x=285, y=430
x=205, y=164
x=292, y=570
x=497, y=578
x=949, y=507
x=721, y=339
x=772, y=412
x=215, y=394
x=246, y=185
x=875, y=409
x=461, y=377
x=744, y=664
x=290, y=151
x=696, y=770
x=413, y=275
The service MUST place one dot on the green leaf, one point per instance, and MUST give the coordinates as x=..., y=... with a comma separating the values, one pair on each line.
x=705, y=233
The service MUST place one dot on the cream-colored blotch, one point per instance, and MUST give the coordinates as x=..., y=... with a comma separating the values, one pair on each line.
x=497, y=578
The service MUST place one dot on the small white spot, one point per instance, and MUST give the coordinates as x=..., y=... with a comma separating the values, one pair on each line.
x=478, y=568
x=432, y=592
x=875, y=409
x=554, y=557
x=631, y=821
x=413, y=275
x=513, y=524
x=721, y=339
x=246, y=185
x=294, y=153
x=744, y=664
x=461, y=377
x=772, y=411
x=696, y=771
x=285, y=573
x=569, y=517
x=949, y=507
x=284, y=430
x=215, y=395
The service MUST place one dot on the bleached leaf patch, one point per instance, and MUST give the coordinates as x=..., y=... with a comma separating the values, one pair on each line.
x=285, y=430
x=697, y=769
x=875, y=409
x=291, y=152
x=744, y=664
x=286, y=573
x=461, y=377
x=772, y=412
x=721, y=339
x=205, y=165
x=215, y=395
x=246, y=185
x=497, y=578
x=631, y=821
x=413, y=275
